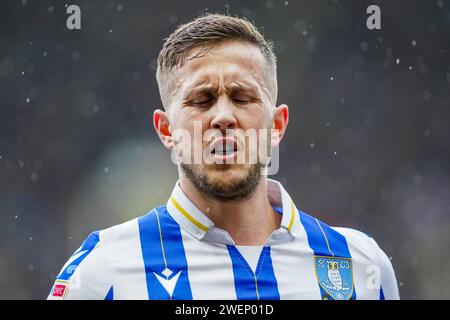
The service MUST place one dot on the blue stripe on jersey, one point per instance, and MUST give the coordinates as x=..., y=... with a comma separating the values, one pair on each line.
x=87, y=246
x=382, y=294
x=325, y=241
x=267, y=283
x=157, y=251
x=261, y=285
x=278, y=210
x=110, y=294
x=316, y=240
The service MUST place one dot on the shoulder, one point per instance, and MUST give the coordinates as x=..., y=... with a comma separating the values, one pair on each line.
x=362, y=248
x=360, y=241
x=105, y=240
x=379, y=265
x=364, y=245
x=126, y=231
x=117, y=233
x=354, y=240
x=89, y=272
x=81, y=277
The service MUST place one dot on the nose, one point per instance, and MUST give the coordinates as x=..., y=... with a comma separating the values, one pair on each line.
x=223, y=118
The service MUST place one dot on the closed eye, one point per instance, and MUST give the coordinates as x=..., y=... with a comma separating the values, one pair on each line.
x=202, y=102
x=242, y=99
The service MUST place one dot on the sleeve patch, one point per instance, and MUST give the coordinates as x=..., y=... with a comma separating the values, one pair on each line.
x=60, y=289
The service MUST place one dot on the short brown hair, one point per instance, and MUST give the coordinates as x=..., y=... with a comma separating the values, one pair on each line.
x=206, y=31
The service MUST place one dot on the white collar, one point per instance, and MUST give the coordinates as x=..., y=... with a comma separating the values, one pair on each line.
x=196, y=223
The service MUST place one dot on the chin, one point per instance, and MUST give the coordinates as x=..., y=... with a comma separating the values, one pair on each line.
x=224, y=182
x=226, y=174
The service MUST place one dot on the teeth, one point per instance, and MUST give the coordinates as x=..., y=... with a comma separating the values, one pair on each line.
x=227, y=149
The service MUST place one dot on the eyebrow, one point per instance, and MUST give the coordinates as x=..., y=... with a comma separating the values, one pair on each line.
x=236, y=86
x=203, y=88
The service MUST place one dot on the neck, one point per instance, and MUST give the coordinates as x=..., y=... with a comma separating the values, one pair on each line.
x=249, y=222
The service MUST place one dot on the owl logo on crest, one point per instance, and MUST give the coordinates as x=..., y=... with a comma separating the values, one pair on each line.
x=334, y=275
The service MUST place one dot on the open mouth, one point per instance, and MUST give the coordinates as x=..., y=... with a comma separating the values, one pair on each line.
x=224, y=148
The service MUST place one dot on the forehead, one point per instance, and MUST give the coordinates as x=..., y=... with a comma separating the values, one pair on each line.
x=227, y=61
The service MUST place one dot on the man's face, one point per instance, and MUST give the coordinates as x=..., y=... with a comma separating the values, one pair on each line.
x=222, y=93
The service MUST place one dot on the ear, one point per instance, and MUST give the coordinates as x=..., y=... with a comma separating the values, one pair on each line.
x=163, y=129
x=280, y=122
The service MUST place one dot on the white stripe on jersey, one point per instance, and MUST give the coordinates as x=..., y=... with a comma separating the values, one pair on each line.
x=251, y=254
x=293, y=265
x=210, y=270
x=123, y=255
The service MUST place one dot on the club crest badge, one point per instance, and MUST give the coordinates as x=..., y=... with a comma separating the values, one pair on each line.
x=335, y=277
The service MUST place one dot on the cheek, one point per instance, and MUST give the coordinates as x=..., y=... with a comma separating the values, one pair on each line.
x=255, y=118
x=191, y=127
x=190, y=119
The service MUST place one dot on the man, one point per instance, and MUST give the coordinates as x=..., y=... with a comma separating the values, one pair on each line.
x=227, y=231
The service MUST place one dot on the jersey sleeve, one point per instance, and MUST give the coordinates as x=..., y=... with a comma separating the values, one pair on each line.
x=388, y=281
x=364, y=246
x=85, y=274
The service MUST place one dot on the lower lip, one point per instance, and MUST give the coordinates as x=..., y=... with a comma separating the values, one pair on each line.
x=223, y=158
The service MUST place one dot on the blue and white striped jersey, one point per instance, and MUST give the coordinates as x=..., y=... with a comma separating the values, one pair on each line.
x=176, y=252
